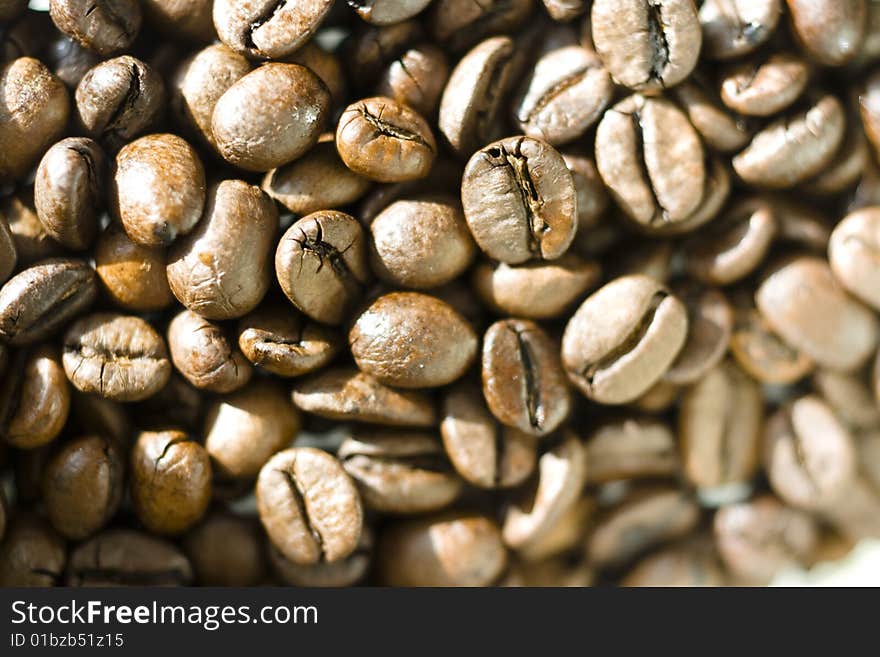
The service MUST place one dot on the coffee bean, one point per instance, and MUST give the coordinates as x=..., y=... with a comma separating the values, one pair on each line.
x=170, y=481
x=592, y=197
x=327, y=65
x=523, y=380
x=720, y=128
x=95, y=415
x=268, y=29
x=370, y=49
x=33, y=114
x=317, y=181
x=458, y=24
x=189, y=20
x=384, y=140
x=345, y=572
x=803, y=302
x=116, y=356
x=421, y=243
x=630, y=448
x=566, y=93
x=765, y=86
x=321, y=265
x=68, y=189
x=615, y=356
x=647, y=45
x=244, y=429
x=125, y=557
x=416, y=78
x=793, y=148
x=309, y=506
x=226, y=550
x=69, y=60
x=32, y=554
x=286, y=101
x=32, y=242
x=519, y=200
x=809, y=456
x=206, y=355
x=452, y=549
x=108, y=27
x=34, y=398
x=650, y=157
x=849, y=397
x=177, y=403
x=846, y=168
x=385, y=12
x=346, y=394
x=690, y=563
x=412, y=340
x=170, y=183
x=732, y=28
x=221, y=269
x=8, y=252
x=853, y=254
x=830, y=31
x=484, y=452
x=119, y=99
x=400, y=472
x=132, y=275
x=38, y=301
x=82, y=486
x=710, y=325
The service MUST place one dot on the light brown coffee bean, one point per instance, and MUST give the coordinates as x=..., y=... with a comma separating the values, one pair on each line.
x=849, y=396
x=854, y=254
x=718, y=126
x=732, y=28
x=345, y=572
x=206, y=355
x=132, y=275
x=458, y=24
x=632, y=447
x=689, y=564
x=830, y=31
x=107, y=28
x=765, y=86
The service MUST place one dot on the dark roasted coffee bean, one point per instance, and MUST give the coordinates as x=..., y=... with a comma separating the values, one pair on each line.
x=69, y=60
x=38, y=301
x=170, y=481
x=321, y=265
x=186, y=20
x=484, y=452
x=206, y=355
x=519, y=200
x=412, y=340
x=67, y=191
x=309, y=506
x=116, y=356
x=124, y=557
x=82, y=485
x=108, y=27
x=32, y=554
x=400, y=472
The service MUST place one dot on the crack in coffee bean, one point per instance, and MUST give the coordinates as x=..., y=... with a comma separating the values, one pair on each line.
x=267, y=15
x=576, y=77
x=532, y=203
x=658, y=42
x=325, y=250
x=531, y=379
x=127, y=104
x=299, y=498
x=389, y=129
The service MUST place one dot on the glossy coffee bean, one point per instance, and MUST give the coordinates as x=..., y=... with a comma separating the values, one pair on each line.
x=107, y=28
x=32, y=554
x=132, y=275
x=737, y=27
x=853, y=254
x=831, y=31
x=205, y=354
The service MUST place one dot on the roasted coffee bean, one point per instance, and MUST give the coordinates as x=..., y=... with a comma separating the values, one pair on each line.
x=321, y=265
x=692, y=563
x=592, y=197
x=803, y=302
x=416, y=78
x=199, y=83
x=459, y=24
x=170, y=481
x=226, y=550
x=614, y=356
x=854, y=254
x=119, y=99
x=421, y=242
x=124, y=557
x=387, y=12
x=38, y=301
x=67, y=191
x=732, y=28
x=734, y=246
x=566, y=93
x=244, y=429
x=566, y=536
x=95, y=415
x=647, y=517
x=400, y=472
x=830, y=31
x=647, y=45
x=651, y=159
x=484, y=452
x=327, y=65
x=846, y=168
x=720, y=128
x=384, y=140
x=34, y=398
x=710, y=326
x=760, y=538
x=346, y=572
x=809, y=456
x=69, y=60
x=32, y=242
x=309, y=506
x=132, y=275
x=107, y=27
x=9, y=9
x=82, y=486
x=523, y=380
x=267, y=29
x=33, y=114
x=222, y=269
x=32, y=554
x=849, y=396
x=177, y=404
x=794, y=148
x=451, y=549
x=158, y=189
x=271, y=116
x=317, y=181
x=630, y=448
x=8, y=252
x=412, y=340
x=556, y=572
x=206, y=355
x=519, y=200
x=370, y=49
x=116, y=356
x=720, y=421
x=766, y=86
x=189, y=20
x=562, y=472
x=347, y=394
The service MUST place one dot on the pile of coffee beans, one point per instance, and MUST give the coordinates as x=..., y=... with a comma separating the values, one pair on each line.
x=437, y=292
